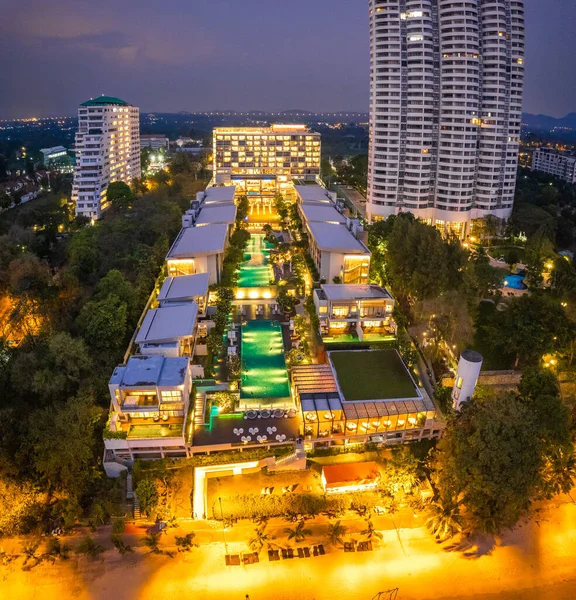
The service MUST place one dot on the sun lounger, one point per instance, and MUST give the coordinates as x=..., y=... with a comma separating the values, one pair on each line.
x=315, y=551
x=284, y=553
x=321, y=549
x=290, y=553
x=300, y=552
x=307, y=552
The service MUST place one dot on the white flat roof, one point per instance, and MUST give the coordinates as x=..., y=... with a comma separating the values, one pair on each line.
x=352, y=291
x=151, y=371
x=336, y=238
x=321, y=213
x=199, y=241
x=168, y=324
x=313, y=193
x=217, y=213
x=220, y=194
x=185, y=287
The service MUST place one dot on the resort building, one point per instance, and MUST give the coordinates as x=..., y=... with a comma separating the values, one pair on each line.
x=263, y=161
x=150, y=399
x=107, y=150
x=185, y=289
x=321, y=213
x=220, y=194
x=168, y=330
x=337, y=252
x=354, y=312
x=199, y=250
x=554, y=162
x=362, y=396
x=446, y=86
x=314, y=194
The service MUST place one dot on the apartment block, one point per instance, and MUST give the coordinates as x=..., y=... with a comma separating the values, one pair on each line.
x=446, y=86
x=554, y=162
x=107, y=150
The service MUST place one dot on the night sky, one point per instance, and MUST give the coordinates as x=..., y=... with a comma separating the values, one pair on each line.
x=173, y=55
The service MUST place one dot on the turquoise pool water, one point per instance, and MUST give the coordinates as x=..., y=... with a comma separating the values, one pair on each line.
x=516, y=281
x=264, y=375
x=255, y=270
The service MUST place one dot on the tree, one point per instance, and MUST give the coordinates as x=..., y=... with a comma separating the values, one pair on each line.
x=152, y=542
x=29, y=553
x=531, y=326
x=559, y=472
x=444, y=519
x=120, y=545
x=185, y=543
x=62, y=442
x=120, y=195
x=401, y=471
x=336, y=533
x=281, y=206
x=55, y=549
x=370, y=532
x=104, y=324
x=180, y=164
x=299, y=533
x=89, y=548
x=29, y=276
x=147, y=494
x=489, y=461
x=260, y=538
x=286, y=301
x=242, y=208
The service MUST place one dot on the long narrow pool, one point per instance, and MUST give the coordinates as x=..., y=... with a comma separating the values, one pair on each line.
x=264, y=375
x=255, y=270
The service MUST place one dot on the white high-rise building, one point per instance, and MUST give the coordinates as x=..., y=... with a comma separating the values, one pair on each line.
x=446, y=83
x=107, y=150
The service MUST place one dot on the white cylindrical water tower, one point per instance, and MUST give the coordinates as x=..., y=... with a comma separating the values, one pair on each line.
x=469, y=368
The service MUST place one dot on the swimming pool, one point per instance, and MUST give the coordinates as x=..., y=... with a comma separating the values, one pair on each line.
x=255, y=270
x=264, y=375
x=515, y=281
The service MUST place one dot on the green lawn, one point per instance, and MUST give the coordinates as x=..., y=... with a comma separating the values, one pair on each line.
x=372, y=375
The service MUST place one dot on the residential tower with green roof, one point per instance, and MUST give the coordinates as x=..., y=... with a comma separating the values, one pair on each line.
x=107, y=150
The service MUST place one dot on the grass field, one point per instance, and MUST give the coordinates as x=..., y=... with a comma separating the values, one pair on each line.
x=372, y=375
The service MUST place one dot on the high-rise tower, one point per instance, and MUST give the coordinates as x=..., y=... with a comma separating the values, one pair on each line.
x=446, y=83
x=107, y=150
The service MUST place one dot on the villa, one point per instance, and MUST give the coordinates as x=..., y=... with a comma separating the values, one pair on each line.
x=314, y=194
x=150, y=398
x=337, y=252
x=199, y=250
x=355, y=311
x=168, y=330
x=185, y=289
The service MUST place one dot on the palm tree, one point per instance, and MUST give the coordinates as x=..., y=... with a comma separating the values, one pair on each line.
x=90, y=548
x=185, y=543
x=370, y=532
x=299, y=533
x=260, y=539
x=336, y=533
x=56, y=550
x=152, y=542
x=29, y=554
x=120, y=545
x=444, y=518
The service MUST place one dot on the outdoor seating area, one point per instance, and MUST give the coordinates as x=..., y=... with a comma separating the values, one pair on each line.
x=277, y=413
x=302, y=552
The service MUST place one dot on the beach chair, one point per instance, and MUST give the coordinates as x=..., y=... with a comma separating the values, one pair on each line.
x=307, y=552
x=321, y=549
x=300, y=552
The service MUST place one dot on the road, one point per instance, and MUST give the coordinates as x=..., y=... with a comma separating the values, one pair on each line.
x=534, y=561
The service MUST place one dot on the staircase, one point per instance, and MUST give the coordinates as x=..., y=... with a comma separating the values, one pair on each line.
x=199, y=407
x=293, y=462
x=137, y=515
x=131, y=495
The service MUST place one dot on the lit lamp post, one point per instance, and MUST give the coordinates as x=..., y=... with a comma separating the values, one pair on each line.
x=223, y=527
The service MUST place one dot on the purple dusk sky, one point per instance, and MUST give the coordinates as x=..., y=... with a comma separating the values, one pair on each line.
x=175, y=55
